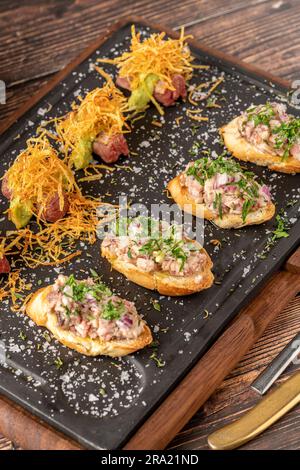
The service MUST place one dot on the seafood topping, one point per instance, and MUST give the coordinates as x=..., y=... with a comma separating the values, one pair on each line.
x=270, y=128
x=89, y=309
x=224, y=187
x=154, y=246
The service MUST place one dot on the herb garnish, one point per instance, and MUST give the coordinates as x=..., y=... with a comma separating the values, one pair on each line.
x=261, y=115
x=156, y=305
x=80, y=289
x=194, y=129
x=94, y=274
x=212, y=103
x=206, y=168
x=281, y=231
x=159, y=363
x=195, y=149
x=218, y=204
x=113, y=310
x=58, y=363
x=47, y=336
x=167, y=244
x=286, y=135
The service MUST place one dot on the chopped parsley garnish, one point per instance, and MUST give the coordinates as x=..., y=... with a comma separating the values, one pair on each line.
x=206, y=168
x=94, y=274
x=80, y=289
x=167, y=244
x=156, y=305
x=47, y=336
x=195, y=149
x=212, y=103
x=218, y=204
x=281, y=230
x=262, y=115
x=22, y=335
x=19, y=296
x=58, y=363
x=194, y=129
x=287, y=135
x=144, y=227
x=113, y=310
x=247, y=206
x=159, y=363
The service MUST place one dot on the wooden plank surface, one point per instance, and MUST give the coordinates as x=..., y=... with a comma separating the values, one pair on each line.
x=37, y=38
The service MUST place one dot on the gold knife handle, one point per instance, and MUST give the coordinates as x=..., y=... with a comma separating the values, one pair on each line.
x=259, y=418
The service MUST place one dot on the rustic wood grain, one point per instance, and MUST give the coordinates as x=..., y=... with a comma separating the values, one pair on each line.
x=17, y=96
x=293, y=263
x=64, y=28
x=38, y=38
x=14, y=420
x=265, y=34
x=234, y=396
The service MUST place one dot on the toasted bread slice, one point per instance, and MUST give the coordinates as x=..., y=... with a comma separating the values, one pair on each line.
x=185, y=202
x=243, y=150
x=163, y=282
x=38, y=310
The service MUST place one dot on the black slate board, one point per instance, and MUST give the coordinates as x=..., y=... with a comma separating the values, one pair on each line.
x=69, y=398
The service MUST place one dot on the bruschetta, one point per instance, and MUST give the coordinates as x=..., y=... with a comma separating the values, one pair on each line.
x=221, y=191
x=265, y=135
x=86, y=316
x=164, y=260
x=96, y=125
x=154, y=70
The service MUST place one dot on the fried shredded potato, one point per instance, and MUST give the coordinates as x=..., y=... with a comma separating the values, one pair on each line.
x=101, y=111
x=155, y=55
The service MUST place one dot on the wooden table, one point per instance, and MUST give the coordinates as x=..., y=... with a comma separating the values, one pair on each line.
x=38, y=38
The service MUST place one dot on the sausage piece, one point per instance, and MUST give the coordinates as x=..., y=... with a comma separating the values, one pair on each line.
x=123, y=82
x=168, y=97
x=52, y=211
x=4, y=265
x=5, y=189
x=109, y=148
